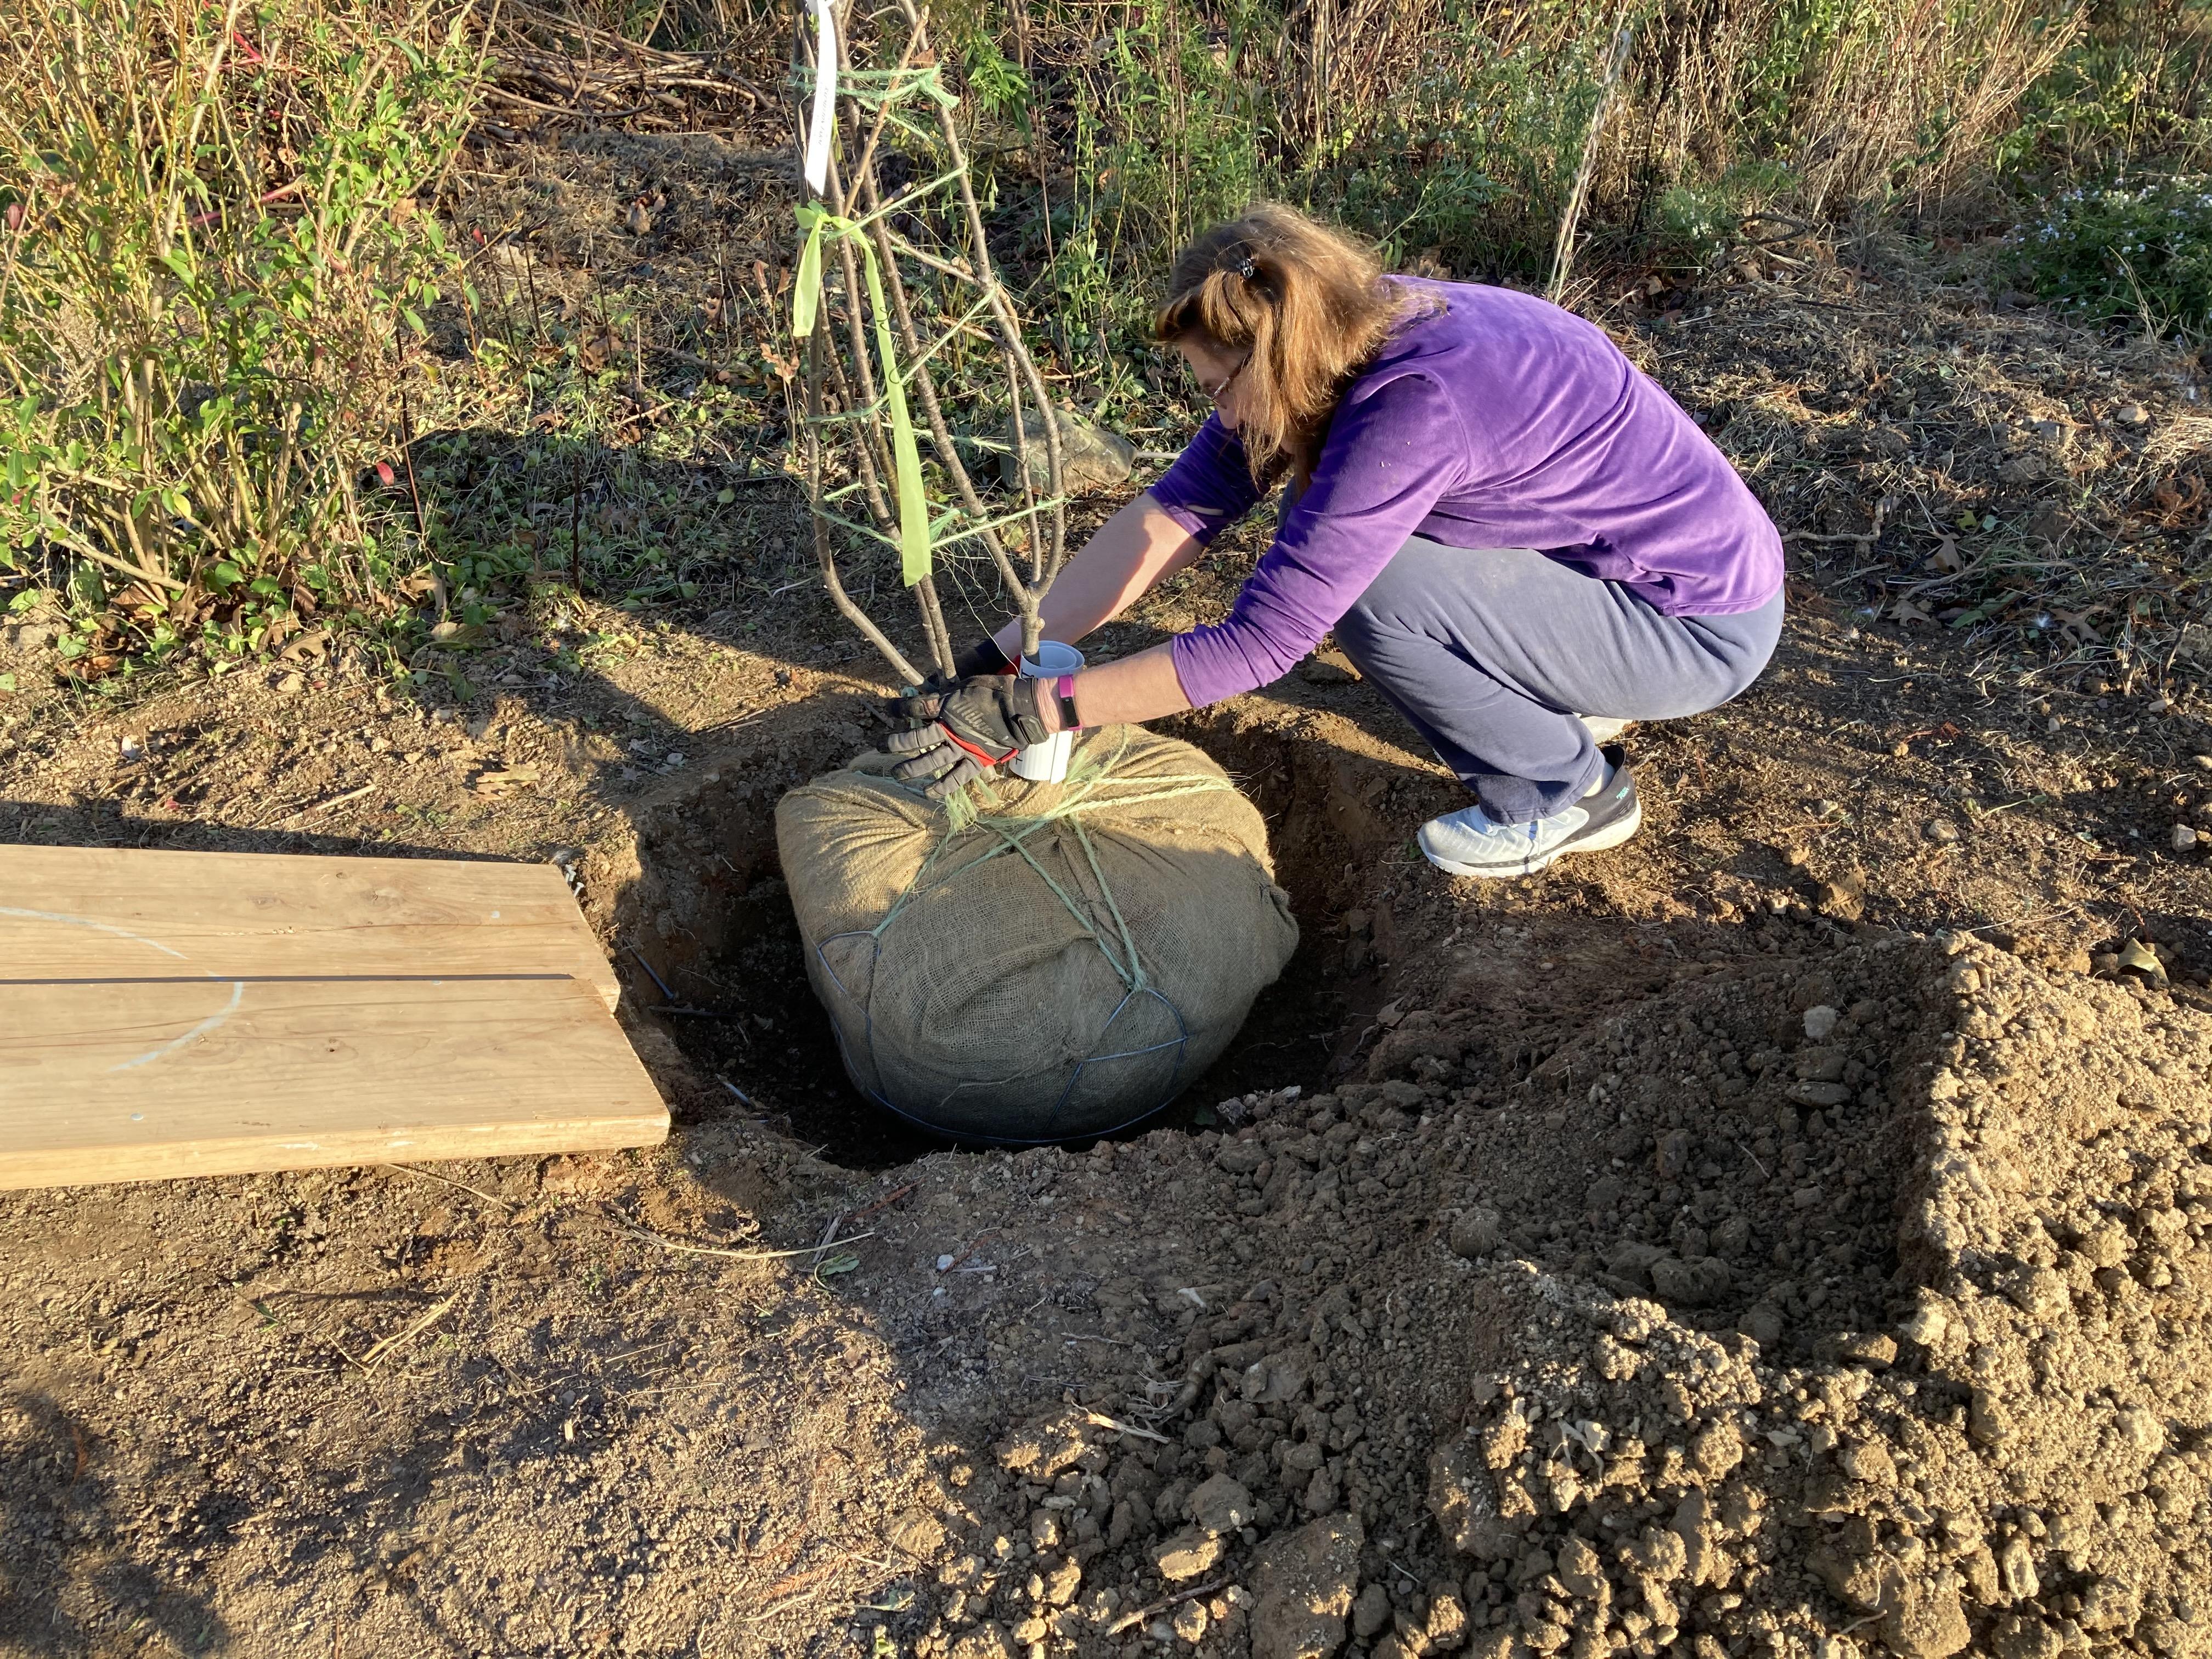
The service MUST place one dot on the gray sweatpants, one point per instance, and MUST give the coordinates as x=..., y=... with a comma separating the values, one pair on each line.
x=1490, y=654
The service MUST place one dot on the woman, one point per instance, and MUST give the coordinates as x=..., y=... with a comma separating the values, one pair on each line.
x=1509, y=526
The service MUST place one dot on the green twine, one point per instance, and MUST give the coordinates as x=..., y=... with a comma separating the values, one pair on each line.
x=1080, y=797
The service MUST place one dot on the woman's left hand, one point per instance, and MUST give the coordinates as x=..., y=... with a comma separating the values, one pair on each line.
x=981, y=721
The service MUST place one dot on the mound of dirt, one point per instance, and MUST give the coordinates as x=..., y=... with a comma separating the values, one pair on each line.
x=1805, y=1305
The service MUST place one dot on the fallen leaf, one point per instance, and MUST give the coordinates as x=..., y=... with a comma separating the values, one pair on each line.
x=2077, y=624
x=1906, y=610
x=2140, y=956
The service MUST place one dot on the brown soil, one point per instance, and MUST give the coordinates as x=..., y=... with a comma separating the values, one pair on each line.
x=1782, y=1236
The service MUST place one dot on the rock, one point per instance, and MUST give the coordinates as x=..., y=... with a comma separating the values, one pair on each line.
x=1940, y=830
x=1302, y=1588
x=1632, y=1260
x=1762, y=1323
x=1927, y=1622
x=1220, y=1504
x=1092, y=459
x=1987, y=1422
x=1370, y=1612
x=2141, y=1430
x=1278, y=1378
x=1445, y=1628
x=2016, y=1574
x=2185, y=838
x=2039, y=1293
x=988, y=1640
x=2023, y=1636
x=1189, y=1622
x=1697, y=1283
x=1042, y=1448
x=2132, y=415
x=1658, y=1553
x=1870, y=1460
x=1671, y=1159
x=1812, y=1092
x=1185, y=1555
x=1820, y=1023
x=1580, y=1568
x=1926, y=1325
x=1875, y=1350
x=1464, y=1500
x=1475, y=1232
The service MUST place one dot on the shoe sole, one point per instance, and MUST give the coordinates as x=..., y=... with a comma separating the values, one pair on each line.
x=1611, y=835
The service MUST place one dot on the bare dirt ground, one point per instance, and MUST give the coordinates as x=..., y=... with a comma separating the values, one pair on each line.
x=1782, y=1235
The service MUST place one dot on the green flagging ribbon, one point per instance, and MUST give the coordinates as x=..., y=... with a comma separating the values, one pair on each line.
x=1080, y=796
x=818, y=224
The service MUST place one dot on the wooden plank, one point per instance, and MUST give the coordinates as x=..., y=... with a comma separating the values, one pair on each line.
x=114, y=913
x=104, y=1082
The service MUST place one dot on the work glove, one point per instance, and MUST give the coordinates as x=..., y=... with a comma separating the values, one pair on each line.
x=983, y=658
x=954, y=736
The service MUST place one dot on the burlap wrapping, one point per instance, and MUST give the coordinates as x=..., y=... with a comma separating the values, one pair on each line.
x=1050, y=960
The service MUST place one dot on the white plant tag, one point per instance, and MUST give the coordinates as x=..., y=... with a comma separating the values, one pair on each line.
x=822, y=125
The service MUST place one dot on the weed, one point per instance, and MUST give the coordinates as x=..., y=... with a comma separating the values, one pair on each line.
x=2125, y=254
x=214, y=246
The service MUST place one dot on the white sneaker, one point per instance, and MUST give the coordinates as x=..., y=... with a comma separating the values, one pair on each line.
x=1469, y=842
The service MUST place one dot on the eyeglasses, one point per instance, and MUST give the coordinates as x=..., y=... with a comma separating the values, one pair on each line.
x=1217, y=393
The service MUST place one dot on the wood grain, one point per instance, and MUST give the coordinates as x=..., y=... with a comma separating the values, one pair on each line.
x=216, y=1077
x=112, y=913
x=171, y=1014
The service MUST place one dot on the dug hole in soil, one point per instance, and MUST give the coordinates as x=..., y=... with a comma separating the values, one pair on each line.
x=1717, y=1278
x=1826, y=1292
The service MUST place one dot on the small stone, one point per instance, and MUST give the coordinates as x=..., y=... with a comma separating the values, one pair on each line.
x=1187, y=1555
x=1580, y=1568
x=2203, y=762
x=2185, y=838
x=1696, y=1283
x=1658, y=1553
x=1220, y=1505
x=1821, y=1022
x=1928, y=1622
x=291, y=685
x=1762, y=1323
x=1942, y=831
x=1926, y=1324
x=1370, y=1612
x=1475, y=1232
x=1189, y=1621
x=988, y=1640
x=1302, y=1585
x=2132, y=415
x=1869, y=1459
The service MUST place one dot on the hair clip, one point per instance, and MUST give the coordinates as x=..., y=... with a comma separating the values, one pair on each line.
x=1245, y=268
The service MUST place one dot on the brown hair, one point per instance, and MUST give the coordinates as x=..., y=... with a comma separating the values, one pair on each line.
x=1308, y=303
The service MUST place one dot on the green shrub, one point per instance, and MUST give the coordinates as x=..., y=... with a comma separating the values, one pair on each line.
x=2139, y=253
x=214, y=246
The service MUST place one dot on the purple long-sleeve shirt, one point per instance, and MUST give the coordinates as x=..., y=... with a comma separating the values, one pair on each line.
x=1498, y=421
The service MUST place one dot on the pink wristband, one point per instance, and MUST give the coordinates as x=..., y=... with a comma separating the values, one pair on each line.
x=1064, y=688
